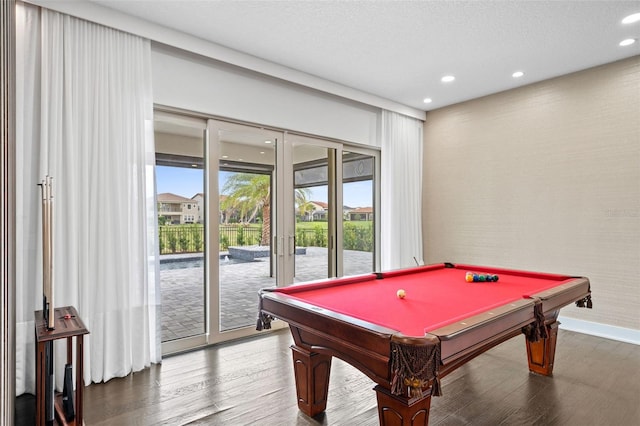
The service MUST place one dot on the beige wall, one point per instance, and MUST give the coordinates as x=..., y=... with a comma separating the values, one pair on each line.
x=544, y=177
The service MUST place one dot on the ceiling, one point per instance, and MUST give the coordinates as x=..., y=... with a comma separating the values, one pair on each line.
x=400, y=50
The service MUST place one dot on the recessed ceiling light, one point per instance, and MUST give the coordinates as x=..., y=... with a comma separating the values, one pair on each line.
x=267, y=141
x=427, y=100
x=631, y=18
x=225, y=156
x=447, y=79
x=627, y=42
x=517, y=74
x=262, y=152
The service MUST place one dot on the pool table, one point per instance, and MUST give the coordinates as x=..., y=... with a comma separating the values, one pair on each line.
x=407, y=344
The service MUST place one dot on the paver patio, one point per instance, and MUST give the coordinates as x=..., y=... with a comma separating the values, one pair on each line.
x=182, y=289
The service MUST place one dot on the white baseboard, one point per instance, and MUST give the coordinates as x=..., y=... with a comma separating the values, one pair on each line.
x=613, y=332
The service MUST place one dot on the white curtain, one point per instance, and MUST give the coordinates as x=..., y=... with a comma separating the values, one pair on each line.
x=401, y=191
x=85, y=117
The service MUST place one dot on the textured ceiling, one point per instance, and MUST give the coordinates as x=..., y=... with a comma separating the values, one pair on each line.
x=399, y=50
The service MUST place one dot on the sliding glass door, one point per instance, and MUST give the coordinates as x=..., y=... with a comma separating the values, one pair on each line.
x=242, y=164
x=315, y=196
x=359, y=218
x=334, y=189
x=243, y=158
x=180, y=195
x=272, y=208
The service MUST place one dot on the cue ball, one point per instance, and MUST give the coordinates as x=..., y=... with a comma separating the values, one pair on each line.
x=401, y=294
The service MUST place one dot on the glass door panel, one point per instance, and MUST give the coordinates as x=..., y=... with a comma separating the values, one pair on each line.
x=314, y=208
x=245, y=213
x=180, y=194
x=358, y=226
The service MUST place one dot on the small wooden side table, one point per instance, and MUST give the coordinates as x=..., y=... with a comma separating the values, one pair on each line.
x=67, y=325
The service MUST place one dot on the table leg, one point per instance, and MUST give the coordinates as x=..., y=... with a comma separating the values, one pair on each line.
x=79, y=379
x=312, y=380
x=40, y=373
x=542, y=353
x=396, y=410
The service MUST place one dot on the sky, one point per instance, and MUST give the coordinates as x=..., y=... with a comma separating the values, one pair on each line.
x=180, y=181
x=188, y=182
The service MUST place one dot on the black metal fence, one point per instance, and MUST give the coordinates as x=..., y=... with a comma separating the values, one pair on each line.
x=231, y=235
x=190, y=238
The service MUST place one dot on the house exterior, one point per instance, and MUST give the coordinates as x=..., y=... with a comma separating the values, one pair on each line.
x=199, y=214
x=177, y=209
x=361, y=213
x=314, y=211
x=318, y=211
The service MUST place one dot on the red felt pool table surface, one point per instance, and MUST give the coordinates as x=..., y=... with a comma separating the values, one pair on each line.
x=436, y=295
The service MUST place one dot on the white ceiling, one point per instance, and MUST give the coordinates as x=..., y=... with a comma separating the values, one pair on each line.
x=399, y=50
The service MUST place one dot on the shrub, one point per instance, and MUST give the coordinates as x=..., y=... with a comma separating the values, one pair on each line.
x=240, y=239
x=197, y=238
x=183, y=241
x=301, y=238
x=173, y=241
x=357, y=237
x=224, y=242
x=319, y=237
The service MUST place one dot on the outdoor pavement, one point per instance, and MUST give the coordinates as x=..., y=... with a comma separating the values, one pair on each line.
x=183, y=296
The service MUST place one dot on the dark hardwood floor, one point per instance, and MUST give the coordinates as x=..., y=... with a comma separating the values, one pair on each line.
x=596, y=382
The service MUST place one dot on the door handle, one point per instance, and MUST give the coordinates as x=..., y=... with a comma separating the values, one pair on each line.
x=292, y=245
x=277, y=245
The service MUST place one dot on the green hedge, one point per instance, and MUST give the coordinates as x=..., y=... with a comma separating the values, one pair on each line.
x=190, y=238
x=356, y=236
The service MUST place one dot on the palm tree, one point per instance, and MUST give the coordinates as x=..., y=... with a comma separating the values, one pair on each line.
x=304, y=209
x=250, y=193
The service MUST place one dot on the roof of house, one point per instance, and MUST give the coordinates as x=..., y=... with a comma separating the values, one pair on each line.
x=362, y=210
x=168, y=197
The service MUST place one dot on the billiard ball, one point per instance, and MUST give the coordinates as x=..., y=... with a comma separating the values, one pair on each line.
x=401, y=294
x=469, y=277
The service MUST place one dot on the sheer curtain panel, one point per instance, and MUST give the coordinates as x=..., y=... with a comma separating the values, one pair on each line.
x=401, y=191
x=85, y=117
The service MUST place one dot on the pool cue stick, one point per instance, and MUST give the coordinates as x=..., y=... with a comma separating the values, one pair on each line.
x=52, y=306
x=47, y=253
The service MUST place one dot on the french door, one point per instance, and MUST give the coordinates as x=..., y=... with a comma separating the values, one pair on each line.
x=278, y=208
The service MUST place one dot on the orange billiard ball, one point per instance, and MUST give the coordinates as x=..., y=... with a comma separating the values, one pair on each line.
x=401, y=294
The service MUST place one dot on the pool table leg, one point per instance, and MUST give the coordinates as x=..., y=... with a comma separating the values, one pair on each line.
x=400, y=411
x=312, y=371
x=542, y=353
